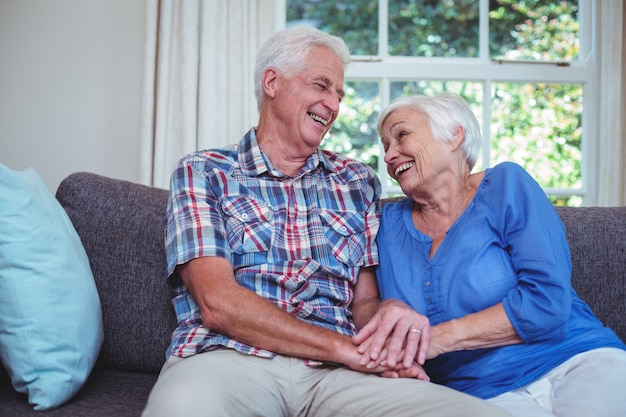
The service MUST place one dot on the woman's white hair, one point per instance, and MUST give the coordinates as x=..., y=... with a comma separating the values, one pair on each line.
x=287, y=50
x=445, y=112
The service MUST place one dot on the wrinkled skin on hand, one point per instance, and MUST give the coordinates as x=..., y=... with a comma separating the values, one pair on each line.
x=398, y=338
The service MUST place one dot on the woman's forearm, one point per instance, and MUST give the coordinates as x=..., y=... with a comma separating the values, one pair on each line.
x=487, y=328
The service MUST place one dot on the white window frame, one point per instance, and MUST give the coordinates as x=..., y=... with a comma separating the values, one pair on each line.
x=385, y=69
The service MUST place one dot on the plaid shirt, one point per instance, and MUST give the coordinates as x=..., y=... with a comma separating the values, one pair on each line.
x=296, y=241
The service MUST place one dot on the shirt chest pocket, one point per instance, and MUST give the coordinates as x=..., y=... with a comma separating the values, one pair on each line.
x=345, y=232
x=248, y=224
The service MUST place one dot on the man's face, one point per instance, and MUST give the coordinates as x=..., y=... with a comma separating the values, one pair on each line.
x=308, y=101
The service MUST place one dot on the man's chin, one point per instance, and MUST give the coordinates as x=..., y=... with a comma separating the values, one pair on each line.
x=315, y=139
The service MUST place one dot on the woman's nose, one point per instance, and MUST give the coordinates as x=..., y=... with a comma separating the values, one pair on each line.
x=390, y=154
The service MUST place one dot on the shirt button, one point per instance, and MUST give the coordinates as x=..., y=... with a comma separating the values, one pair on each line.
x=428, y=283
x=299, y=222
x=430, y=301
x=427, y=266
x=244, y=216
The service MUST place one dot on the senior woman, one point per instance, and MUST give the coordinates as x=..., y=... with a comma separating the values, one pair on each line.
x=485, y=258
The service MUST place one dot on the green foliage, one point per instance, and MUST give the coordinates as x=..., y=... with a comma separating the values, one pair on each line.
x=539, y=126
x=355, y=21
x=433, y=28
x=533, y=29
x=354, y=132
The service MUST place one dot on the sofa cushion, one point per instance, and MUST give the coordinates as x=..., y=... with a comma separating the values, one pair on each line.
x=106, y=393
x=50, y=317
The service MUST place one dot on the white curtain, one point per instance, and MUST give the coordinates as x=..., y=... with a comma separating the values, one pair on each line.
x=611, y=175
x=198, y=83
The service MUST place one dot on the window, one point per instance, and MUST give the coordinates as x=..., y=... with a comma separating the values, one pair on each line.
x=525, y=67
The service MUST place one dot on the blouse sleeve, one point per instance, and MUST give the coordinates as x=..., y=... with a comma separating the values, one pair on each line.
x=539, y=306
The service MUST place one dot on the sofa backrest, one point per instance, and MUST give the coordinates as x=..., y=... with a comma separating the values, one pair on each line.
x=597, y=241
x=121, y=226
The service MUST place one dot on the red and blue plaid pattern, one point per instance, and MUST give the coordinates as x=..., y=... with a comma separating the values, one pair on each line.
x=297, y=241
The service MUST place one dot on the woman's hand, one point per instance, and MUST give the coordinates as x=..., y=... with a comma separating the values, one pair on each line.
x=396, y=335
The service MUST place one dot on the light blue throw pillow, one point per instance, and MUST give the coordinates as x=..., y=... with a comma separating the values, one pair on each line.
x=50, y=316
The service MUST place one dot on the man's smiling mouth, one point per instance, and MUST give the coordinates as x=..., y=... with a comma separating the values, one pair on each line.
x=319, y=119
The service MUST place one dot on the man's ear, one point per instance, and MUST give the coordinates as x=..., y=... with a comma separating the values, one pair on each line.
x=270, y=81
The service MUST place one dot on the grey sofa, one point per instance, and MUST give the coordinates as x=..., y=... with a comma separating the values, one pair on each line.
x=121, y=226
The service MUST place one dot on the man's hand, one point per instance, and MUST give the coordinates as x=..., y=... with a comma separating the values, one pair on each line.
x=415, y=371
x=362, y=363
x=395, y=335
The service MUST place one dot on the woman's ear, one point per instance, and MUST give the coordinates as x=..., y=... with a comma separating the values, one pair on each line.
x=459, y=137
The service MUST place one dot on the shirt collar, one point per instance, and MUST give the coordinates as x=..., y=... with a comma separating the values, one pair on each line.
x=253, y=161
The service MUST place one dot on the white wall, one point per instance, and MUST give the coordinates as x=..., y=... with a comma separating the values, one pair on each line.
x=71, y=86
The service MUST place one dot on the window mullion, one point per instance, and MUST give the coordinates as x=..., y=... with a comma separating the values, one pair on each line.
x=382, y=166
x=383, y=28
x=586, y=15
x=486, y=124
x=483, y=30
x=483, y=41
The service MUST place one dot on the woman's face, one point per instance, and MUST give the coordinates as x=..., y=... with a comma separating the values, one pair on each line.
x=412, y=156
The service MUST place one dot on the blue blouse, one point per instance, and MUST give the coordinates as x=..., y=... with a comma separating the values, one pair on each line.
x=508, y=246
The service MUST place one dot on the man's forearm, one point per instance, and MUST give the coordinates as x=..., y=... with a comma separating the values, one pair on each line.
x=230, y=309
x=366, y=299
x=363, y=311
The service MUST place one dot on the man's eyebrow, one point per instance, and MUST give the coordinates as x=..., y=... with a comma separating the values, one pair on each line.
x=323, y=79
x=328, y=81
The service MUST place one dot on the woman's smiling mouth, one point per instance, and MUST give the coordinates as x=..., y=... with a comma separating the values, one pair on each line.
x=403, y=168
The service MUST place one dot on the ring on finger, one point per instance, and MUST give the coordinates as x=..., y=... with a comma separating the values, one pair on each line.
x=418, y=331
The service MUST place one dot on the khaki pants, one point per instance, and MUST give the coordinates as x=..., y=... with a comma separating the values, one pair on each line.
x=226, y=383
x=589, y=384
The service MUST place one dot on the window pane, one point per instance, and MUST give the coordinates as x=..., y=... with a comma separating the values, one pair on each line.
x=433, y=28
x=531, y=122
x=536, y=30
x=355, y=21
x=539, y=127
x=354, y=132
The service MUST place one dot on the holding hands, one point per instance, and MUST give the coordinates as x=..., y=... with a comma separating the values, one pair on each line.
x=397, y=339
